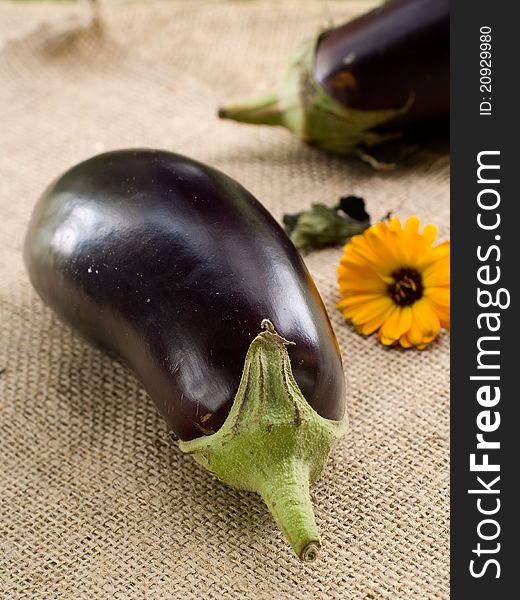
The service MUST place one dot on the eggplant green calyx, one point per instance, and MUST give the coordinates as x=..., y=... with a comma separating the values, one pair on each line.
x=272, y=442
x=303, y=107
x=327, y=226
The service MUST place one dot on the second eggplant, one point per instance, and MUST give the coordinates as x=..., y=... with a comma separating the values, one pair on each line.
x=365, y=82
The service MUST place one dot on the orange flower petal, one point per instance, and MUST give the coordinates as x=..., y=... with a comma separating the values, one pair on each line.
x=438, y=295
x=371, y=310
x=437, y=273
x=395, y=225
x=414, y=334
x=354, y=299
x=429, y=234
x=426, y=319
x=404, y=341
x=397, y=323
x=411, y=226
x=375, y=323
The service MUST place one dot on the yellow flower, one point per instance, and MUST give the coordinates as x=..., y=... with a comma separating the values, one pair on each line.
x=393, y=280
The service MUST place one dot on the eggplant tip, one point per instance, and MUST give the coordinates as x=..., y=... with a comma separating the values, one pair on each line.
x=310, y=552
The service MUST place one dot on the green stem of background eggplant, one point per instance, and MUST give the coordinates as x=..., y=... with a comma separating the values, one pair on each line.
x=273, y=442
x=262, y=111
x=303, y=107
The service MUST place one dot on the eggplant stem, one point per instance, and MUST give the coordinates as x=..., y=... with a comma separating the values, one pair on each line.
x=286, y=494
x=272, y=442
x=261, y=111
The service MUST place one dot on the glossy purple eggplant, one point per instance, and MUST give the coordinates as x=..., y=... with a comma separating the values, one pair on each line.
x=364, y=82
x=177, y=268
x=173, y=265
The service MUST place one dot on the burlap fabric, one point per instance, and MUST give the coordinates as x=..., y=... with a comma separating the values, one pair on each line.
x=95, y=501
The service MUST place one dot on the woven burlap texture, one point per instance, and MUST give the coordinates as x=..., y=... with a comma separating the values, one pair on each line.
x=95, y=500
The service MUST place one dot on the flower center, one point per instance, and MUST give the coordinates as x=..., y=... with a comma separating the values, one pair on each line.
x=407, y=287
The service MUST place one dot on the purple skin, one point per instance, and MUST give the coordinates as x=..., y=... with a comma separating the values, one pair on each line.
x=173, y=265
x=379, y=60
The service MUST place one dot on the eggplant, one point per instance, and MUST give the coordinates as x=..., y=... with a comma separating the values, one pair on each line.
x=182, y=273
x=365, y=82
